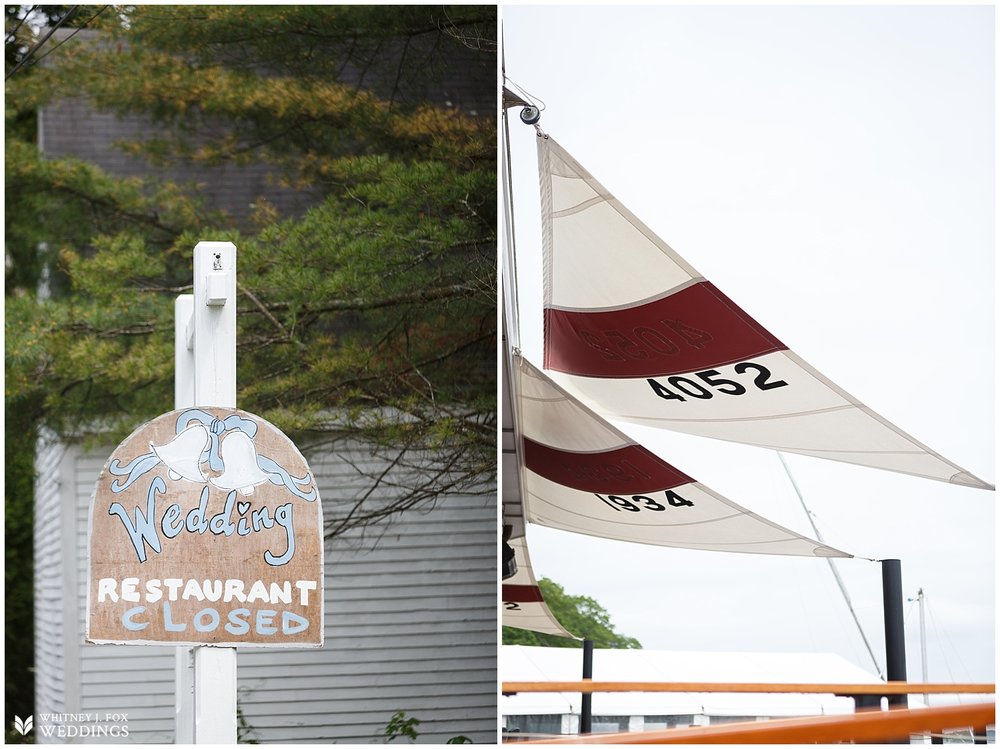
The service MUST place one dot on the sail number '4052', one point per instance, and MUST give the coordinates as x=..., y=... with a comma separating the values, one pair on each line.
x=763, y=380
x=640, y=502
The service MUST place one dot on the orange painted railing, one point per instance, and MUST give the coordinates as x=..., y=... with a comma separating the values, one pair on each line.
x=889, y=687
x=862, y=726
x=870, y=726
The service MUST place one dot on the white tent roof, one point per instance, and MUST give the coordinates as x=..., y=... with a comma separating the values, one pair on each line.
x=524, y=663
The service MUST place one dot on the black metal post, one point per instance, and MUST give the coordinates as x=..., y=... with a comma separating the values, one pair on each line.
x=895, y=642
x=588, y=673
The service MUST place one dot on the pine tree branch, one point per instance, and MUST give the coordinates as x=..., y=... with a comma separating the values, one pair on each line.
x=361, y=303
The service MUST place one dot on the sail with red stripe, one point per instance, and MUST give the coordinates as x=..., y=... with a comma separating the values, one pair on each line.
x=523, y=604
x=581, y=474
x=639, y=335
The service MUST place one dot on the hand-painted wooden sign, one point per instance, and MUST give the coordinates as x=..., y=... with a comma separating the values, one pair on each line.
x=206, y=528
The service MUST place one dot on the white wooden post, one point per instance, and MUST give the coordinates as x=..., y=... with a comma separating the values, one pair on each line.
x=215, y=385
x=215, y=324
x=184, y=398
x=183, y=352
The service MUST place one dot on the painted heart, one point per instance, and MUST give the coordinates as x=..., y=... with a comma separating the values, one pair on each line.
x=242, y=507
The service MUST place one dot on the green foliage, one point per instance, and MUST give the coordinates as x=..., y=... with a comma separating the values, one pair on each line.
x=582, y=616
x=400, y=725
x=12, y=736
x=245, y=733
x=19, y=453
x=371, y=314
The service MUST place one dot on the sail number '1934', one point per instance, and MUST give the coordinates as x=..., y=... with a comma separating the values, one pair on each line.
x=640, y=502
x=763, y=380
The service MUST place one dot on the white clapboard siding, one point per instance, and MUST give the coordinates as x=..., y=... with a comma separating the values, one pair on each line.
x=410, y=625
x=136, y=681
x=50, y=652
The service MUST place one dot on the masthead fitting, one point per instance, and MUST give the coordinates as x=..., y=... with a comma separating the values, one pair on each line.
x=530, y=115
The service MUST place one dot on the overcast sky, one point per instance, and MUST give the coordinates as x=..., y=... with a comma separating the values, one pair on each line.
x=831, y=169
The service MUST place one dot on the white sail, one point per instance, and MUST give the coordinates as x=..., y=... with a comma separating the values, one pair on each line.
x=523, y=604
x=581, y=474
x=639, y=335
x=510, y=462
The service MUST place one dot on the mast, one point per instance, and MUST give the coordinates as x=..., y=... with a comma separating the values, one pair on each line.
x=512, y=523
x=923, y=641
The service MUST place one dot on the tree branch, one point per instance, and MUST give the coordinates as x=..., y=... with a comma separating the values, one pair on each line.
x=257, y=303
x=360, y=303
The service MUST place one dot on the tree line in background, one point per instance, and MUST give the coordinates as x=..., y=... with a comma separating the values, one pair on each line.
x=369, y=316
x=580, y=615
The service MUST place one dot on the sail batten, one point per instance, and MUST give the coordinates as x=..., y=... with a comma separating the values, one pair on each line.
x=635, y=332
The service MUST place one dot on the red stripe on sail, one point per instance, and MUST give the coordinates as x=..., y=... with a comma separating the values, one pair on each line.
x=521, y=593
x=625, y=470
x=696, y=328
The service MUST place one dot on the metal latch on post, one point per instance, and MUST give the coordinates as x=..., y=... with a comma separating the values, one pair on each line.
x=216, y=288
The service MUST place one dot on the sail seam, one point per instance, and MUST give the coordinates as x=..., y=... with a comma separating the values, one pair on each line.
x=832, y=409
x=545, y=193
x=645, y=525
x=579, y=207
x=597, y=451
x=620, y=209
x=630, y=304
x=694, y=545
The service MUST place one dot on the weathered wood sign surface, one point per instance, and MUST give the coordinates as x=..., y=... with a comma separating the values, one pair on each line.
x=206, y=528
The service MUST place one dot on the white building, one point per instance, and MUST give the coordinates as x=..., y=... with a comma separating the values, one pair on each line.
x=559, y=713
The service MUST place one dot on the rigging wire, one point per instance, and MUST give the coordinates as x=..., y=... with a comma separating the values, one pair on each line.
x=11, y=36
x=511, y=326
x=509, y=269
x=38, y=45
x=524, y=94
x=833, y=569
x=946, y=638
x=76, y=31
x=509, y=266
